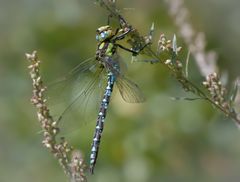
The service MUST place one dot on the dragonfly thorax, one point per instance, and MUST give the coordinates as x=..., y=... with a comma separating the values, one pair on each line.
x=105, y=49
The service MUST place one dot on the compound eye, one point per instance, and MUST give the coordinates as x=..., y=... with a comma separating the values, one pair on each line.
x=103, y=35
x=97, y=37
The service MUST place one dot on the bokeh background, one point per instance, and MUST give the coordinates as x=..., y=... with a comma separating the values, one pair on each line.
x=160, y=140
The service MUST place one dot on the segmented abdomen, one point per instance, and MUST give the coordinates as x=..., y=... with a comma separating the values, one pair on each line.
x=100, y=121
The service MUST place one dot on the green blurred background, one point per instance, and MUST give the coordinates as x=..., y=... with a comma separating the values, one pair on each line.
x=160, y=140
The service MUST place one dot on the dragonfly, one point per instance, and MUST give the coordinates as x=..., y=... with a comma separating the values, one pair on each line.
x=107, y=58
x=107, y=63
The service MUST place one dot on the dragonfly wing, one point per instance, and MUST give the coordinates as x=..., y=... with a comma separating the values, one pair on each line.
x=78, y=75
x=87, y=65
x=76, y=92
x=129, y=90
x=82, y=93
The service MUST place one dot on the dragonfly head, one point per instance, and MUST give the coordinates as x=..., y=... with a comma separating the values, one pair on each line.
x=104, y=33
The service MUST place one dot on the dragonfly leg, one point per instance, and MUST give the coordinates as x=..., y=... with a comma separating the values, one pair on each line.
x=122, y=36
x=134, y=52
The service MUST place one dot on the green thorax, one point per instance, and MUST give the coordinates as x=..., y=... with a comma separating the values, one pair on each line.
x=107, y=48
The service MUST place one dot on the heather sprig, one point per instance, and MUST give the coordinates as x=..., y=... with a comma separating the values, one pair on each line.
x=74, y=166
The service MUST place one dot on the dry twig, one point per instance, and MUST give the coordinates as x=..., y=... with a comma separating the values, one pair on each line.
x=73, y=168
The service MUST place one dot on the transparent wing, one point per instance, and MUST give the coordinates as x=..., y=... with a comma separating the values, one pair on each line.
x=129, y=90
x=83, y=93
x=83, y=67
x=80, y=74
x=74, y=98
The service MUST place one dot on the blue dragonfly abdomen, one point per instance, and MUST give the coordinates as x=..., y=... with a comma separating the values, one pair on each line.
x=101, y=119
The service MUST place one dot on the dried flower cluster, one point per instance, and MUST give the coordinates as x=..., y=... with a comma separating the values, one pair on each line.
x=215, y=88
x=216, y=91
x=77, y=167
x=61, y=150
x=218, y=94
x=163, y=44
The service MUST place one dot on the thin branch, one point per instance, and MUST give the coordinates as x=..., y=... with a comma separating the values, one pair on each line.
x=74, y=166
